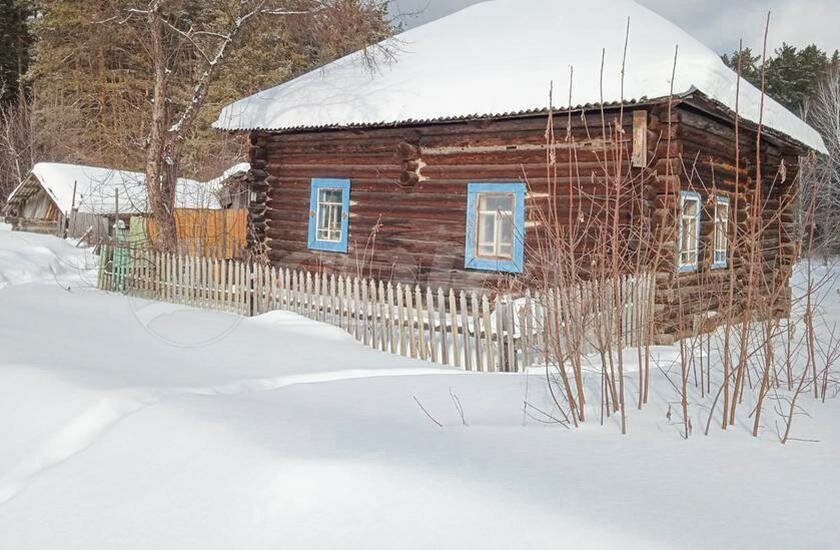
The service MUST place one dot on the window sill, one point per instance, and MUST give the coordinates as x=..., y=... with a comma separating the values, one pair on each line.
x=499, y=266
x=339, y=248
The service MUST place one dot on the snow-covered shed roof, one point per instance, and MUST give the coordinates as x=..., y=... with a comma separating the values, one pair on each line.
x=499, y=57
x=97, y=189
x=234, y=170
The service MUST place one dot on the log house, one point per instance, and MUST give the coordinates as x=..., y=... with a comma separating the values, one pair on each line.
x=412, y=186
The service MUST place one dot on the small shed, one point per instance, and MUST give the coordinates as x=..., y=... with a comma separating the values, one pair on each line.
x=433, y=168
x=86, y=201
x=234, y=190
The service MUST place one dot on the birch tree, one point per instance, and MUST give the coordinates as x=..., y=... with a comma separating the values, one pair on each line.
x=823, y=112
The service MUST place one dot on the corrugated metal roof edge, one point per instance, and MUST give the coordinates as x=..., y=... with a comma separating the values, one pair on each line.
x=445, y=120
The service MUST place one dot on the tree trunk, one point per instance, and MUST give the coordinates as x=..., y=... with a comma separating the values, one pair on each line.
x=161, y=166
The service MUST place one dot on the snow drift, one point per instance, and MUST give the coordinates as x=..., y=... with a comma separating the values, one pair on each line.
x=26, y=257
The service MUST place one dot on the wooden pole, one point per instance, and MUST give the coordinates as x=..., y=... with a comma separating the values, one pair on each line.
x=70, y=218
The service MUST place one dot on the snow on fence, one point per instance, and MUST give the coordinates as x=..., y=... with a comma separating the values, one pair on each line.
x=476, y=331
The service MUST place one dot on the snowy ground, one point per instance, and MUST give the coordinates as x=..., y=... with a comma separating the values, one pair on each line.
x=127, y=424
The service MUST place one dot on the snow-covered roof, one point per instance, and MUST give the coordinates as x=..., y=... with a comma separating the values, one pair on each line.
x=234, y=170
x=499, y=57
x=97, y=189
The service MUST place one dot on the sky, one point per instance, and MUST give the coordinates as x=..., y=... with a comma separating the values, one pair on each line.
x=717, y=23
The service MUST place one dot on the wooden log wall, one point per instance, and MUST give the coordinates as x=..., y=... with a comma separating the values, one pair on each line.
x=703, y=159
x=409, y=189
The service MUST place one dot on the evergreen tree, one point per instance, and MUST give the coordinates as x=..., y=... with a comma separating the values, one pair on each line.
x=791, y=74
x=746, y=62
x=15, y=41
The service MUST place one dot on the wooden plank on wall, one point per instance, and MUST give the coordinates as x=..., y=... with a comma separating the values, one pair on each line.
x=640, y=141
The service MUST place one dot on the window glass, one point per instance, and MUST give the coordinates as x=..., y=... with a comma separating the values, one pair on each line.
x=330, y=206
x=721, y=232
x=496, y=225
x=689, y=238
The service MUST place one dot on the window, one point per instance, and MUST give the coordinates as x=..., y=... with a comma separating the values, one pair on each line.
x=330, y=208
x=496, y=227
x=721, y=254
x=329, y=215
x=689, y=242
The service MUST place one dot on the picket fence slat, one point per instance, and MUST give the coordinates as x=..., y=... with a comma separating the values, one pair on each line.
x=498, y=331
x=448, y=330
x=476, y=331
x=433, y=328
x=453, y=323
x=465, y=333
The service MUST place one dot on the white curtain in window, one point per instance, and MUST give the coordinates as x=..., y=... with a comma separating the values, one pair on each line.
x=495, y=225
x=330, y=206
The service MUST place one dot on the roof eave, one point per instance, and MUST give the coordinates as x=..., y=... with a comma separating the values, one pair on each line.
x=13, y=199
x=714, y=108
x=454, y=119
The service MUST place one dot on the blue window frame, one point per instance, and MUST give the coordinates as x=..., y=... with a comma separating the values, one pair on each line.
x=329, y=215
x=495, y=227
x=689, y=237
x=721, y=236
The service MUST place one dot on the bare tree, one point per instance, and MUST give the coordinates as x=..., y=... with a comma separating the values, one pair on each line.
x=169, y=40
x=823, y=112
x=18, y=149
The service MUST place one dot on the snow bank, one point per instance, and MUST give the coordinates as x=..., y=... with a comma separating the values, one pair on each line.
x=131, y=424
x=26, y=257
x=500, y=57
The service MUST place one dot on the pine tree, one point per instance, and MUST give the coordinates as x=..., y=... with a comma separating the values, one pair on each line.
x=15, y=42
x=745, y=62
x=791, y=74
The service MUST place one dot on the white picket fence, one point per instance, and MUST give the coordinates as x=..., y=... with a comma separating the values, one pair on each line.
x=476, y=331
